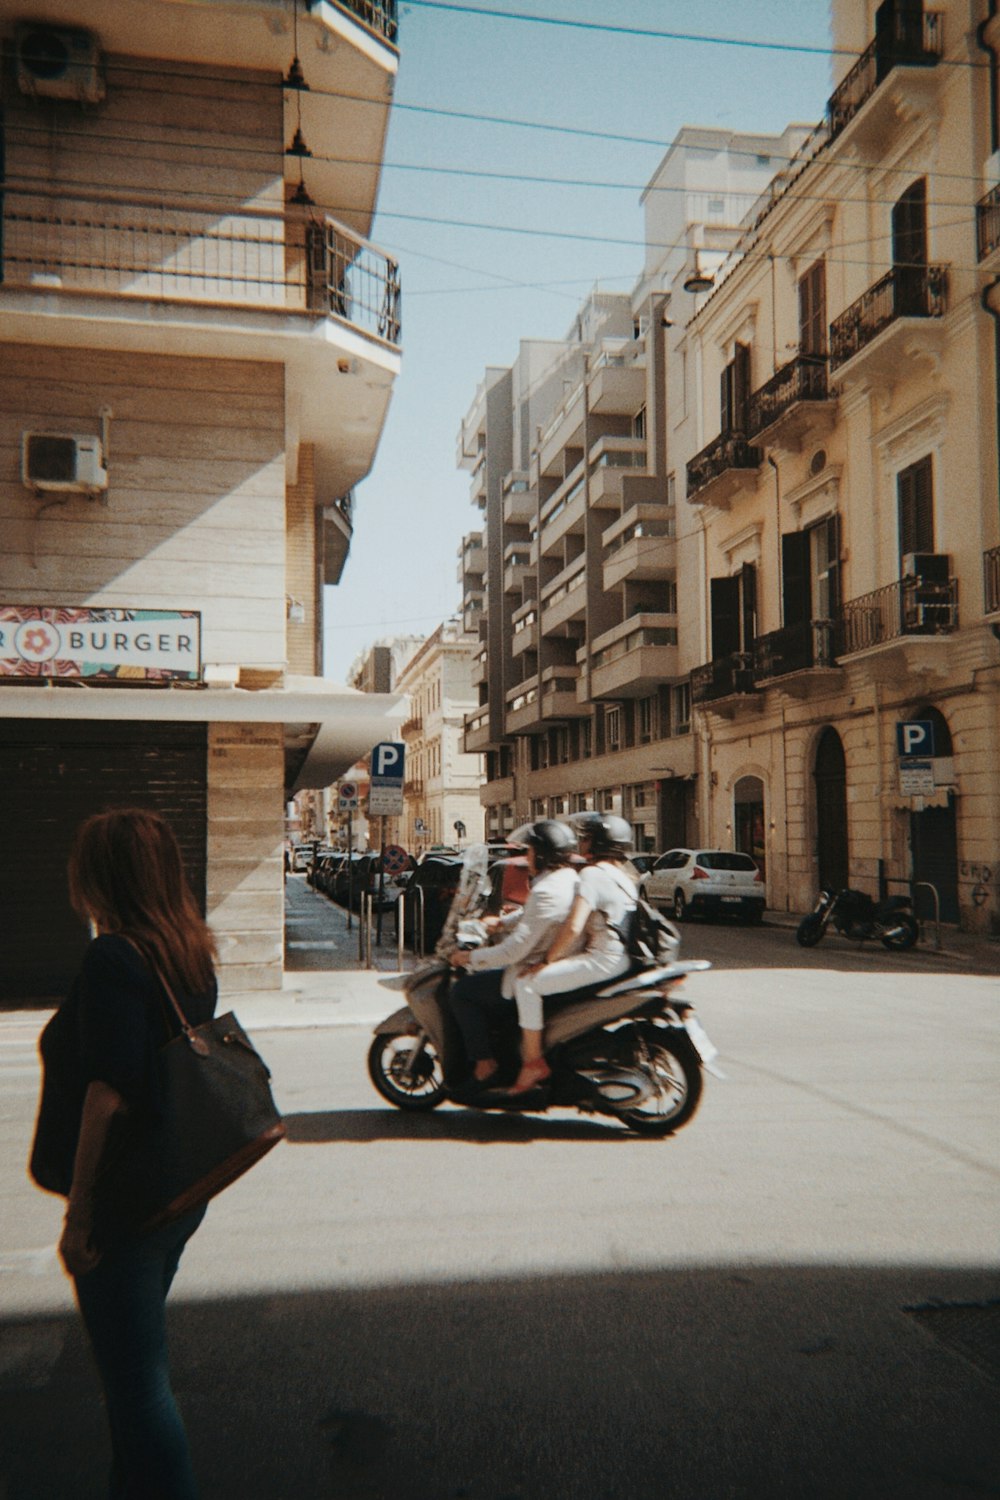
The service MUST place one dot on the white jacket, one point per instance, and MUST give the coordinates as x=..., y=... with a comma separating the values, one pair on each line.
x=545, y=910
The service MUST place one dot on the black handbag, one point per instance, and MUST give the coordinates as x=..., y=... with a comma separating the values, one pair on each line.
x=217, y=1117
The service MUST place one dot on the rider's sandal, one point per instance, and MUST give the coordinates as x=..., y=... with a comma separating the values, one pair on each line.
x=531, y=1077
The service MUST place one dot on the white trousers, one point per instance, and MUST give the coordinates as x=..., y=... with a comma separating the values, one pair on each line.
x=555, y=979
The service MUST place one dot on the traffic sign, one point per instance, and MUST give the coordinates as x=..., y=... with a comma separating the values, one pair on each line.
x=347, y=796
x=394, y=859
x=915, y=737
x=388, y=760
x=916, y=777
x=385, y=799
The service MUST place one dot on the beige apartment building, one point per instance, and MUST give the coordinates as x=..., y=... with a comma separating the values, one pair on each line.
x=197, y=349
x=584, y=697
x=441, y=789
x=842, y=526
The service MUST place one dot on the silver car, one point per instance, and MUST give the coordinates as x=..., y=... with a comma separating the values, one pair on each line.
x=703, y=881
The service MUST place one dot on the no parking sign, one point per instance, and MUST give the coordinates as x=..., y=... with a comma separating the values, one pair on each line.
x=394, y=859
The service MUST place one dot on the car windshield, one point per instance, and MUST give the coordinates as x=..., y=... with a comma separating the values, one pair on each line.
x=719, y=860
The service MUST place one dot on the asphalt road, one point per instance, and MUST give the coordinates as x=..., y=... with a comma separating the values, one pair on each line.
x=786, y=1299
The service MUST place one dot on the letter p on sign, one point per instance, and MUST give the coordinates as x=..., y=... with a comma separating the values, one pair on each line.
x=387, y=761
x=915, y=737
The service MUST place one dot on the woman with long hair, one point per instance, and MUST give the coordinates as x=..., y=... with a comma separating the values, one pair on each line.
x=99, y=1059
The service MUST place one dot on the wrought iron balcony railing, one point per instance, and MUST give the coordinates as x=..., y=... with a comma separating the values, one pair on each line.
x=728, y=451
x=988, y=223
x=911, y=606
x=380, y=15
x=914, y=41
x=794, y=648
x=803, y=378
x=66, y=241
x=991, y=580
x=904, y=292
x=722, y=678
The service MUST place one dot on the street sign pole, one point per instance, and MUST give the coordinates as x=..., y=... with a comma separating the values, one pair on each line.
x=381, y=883
x=350, y=865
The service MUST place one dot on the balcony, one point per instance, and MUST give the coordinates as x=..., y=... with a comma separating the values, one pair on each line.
x=414, y=788
x=611, y=459
x=565, y=598
x=412, y=726
x=637, y=548
x=558, y=700
x=991, y=581
x=635, y=657
x=725, y=677
x=520, y=502
x=876, y=331
x=525, y=623
x=988, y=224
x=522, y=707
x=617, y=384
x=477, y=732
x=720, y=471
x=795, y=401
x=796, y=655
x=516, y=567
x=378, y=15
x=911, y=616
x=564, y=512
x=912, y=47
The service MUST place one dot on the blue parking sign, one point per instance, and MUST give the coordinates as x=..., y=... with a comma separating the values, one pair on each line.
x=915, y=737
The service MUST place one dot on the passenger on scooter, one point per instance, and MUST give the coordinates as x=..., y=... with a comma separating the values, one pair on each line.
x=588, y=949
x=488, y=983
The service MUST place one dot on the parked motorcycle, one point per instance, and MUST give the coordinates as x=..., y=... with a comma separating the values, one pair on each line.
x=632, y=1049
x=856, y=915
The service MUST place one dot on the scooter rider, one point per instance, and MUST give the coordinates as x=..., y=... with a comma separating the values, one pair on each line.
x=488, y=982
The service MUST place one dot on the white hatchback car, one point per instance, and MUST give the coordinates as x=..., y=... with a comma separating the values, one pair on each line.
x=717, y=881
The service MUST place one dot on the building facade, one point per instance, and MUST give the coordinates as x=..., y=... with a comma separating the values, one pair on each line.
x=441, y=790
x=843, y=380
x=198, y=348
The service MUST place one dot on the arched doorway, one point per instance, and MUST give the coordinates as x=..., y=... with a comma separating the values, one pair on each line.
x=748, y=820
x=934, y=836
x=830, y=776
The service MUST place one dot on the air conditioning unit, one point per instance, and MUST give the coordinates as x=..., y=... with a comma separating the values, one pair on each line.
x=932, y=567
x=59, y=461
x=58, y=62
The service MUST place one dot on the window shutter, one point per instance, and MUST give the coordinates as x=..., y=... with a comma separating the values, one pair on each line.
x=725, y=601
x=915, y=496
x=796, y=593
x=748, y=597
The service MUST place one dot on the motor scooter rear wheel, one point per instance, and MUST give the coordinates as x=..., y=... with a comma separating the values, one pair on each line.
x=669, y=1058
x=809, y=931
x=906, y=934
x=406, y=1070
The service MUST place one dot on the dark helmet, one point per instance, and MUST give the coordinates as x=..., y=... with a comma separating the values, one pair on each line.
x=608, y=834
x=552, y=842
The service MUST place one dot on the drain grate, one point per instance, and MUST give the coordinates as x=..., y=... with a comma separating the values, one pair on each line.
x=969, y=1328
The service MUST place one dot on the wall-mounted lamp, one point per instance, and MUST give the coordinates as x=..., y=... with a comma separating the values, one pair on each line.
x=698, y=279
x=295, y=610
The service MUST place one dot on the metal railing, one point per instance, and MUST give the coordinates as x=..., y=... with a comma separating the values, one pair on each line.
x=904, y=292
x=911, y=606
x=730, y=450
x=380, y=15
x=722, y=678
x=64, y=240
x=991, y=580
x=915, y=41
x=988, y=223
x=803, y=378
x=794, y=648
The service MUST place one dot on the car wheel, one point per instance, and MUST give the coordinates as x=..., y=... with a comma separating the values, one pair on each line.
x=680, y=907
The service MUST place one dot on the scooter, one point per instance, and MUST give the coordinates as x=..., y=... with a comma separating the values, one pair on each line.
x=856, y=915
x=632, y=1049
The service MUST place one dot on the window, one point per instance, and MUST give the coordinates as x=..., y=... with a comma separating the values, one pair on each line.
x=812, y=310
x=734, y=612
x=639, y=423
x=810, y=572
x=915, y=501
x=909, y=250
x=734, y=392
x=681, y=707
x=647, y=719
x=586, y=738
x=612, y=729
x=672, y=488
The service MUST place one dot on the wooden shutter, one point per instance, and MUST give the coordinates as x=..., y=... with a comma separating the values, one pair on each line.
x=909, y=226
x=915, y=496
x=812, y=310
x=725, y=601
x=741, y=387
x=796, y=593
x=748, y=601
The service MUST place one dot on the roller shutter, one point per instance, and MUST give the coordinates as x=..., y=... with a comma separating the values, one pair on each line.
x=53, y=774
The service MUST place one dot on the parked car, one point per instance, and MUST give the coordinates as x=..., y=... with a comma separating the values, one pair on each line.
x=301, y=857
x=700, y=881
x=643, y=863
x=436, y=877
x=346, y=875
x=323, y=871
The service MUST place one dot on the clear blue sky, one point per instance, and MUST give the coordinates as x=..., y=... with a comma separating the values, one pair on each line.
x=469, y=294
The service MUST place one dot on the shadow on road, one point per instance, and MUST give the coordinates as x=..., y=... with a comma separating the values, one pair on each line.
x=494, y=1128
x=698, y=1383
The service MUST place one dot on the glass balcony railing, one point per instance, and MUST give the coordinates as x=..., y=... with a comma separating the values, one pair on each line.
x=904, y=292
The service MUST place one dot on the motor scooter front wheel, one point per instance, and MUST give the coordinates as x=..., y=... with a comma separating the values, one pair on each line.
x=406, y=1070
x=809, y=930
x=669, y=1060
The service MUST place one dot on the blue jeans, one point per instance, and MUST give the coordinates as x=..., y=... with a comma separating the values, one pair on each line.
x=123, y=1305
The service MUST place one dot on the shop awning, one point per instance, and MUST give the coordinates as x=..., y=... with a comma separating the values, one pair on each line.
x=328, y=726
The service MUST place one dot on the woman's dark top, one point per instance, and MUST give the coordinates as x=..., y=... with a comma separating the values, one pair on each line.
x=108, y=1029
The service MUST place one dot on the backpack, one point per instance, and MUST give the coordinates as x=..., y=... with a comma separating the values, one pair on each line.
x=648, y=937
